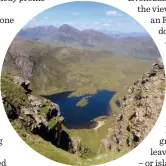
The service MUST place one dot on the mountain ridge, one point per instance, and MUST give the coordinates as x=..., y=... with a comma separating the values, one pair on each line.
x=68, y=36
x=52, y=65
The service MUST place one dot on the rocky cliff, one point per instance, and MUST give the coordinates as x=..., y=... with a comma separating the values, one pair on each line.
x=35, y=114
x=141, y=107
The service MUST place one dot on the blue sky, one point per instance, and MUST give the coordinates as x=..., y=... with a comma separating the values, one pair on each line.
x=87, y=15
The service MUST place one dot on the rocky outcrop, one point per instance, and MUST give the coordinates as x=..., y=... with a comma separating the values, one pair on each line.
x=141, y=107
x=22, y=82
x=78, y=147
x=32, y=113
x=37, y=115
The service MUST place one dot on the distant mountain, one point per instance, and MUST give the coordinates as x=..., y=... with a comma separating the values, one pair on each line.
x=65, y=35
x=59, y=67
x=45, y=63
x=135, y=44
x=142, y=47
x=116, y=34
x=37, y=33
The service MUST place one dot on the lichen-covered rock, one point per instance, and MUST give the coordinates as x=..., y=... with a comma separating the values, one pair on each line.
x=141, y=107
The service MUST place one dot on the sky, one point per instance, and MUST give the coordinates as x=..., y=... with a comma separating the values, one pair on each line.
x=87, y=15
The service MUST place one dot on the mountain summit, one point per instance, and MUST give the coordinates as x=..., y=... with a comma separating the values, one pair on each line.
x=67, y=28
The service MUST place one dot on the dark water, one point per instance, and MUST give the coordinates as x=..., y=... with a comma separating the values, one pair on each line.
x=118, y=103
x=81, y=117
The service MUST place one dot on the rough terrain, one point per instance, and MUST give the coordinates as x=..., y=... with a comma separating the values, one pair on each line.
x=141, y=107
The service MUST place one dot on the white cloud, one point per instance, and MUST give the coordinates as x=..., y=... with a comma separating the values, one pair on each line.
x=113, y=13
x=45, y=18
x=96, y=22
x=106, y=24
x=75, y=14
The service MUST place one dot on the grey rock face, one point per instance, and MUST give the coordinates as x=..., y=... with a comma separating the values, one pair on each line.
x=141, y=107
x=37, y=115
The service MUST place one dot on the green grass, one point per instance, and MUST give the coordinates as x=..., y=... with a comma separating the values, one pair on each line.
x=83, y=102
x=92, y=138
x=87, y=76
x=45, y=148
x=44, y=110
x=48, y=150
x=57, y=69
x=54, y=121
x=13, y=92
x=111, y=73
x=64, y=69
x=162, y=86
x=15, y=95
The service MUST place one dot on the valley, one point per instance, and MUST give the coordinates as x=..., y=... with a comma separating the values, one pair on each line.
x=77, y=90
x=65, y=68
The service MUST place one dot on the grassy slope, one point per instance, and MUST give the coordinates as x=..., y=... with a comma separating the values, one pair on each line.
x=45, y=148
x=15, y=95
x=86, y=71
x=56, y=68
x=87, y=76
x=105, y=77
x=113, y=73
x=48, y=150
x=13, y=92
